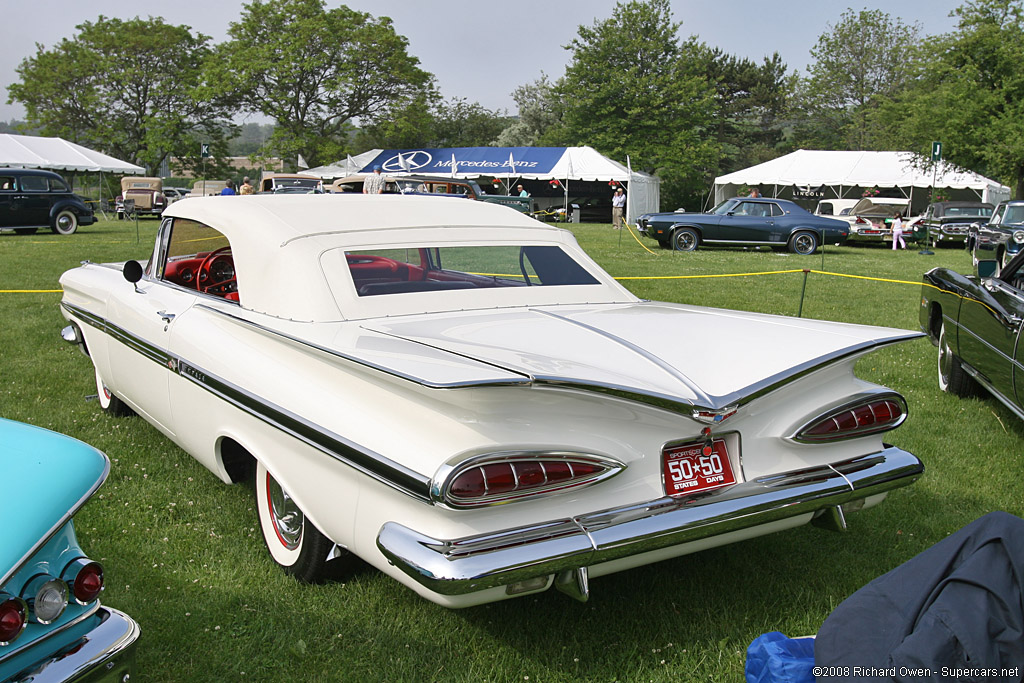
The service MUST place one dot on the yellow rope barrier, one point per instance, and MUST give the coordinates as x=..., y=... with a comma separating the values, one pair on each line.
x=637, y=238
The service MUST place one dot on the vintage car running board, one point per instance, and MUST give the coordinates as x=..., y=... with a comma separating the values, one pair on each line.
x=561, y=547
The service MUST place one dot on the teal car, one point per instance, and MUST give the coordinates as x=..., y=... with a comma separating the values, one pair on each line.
x=52, y=625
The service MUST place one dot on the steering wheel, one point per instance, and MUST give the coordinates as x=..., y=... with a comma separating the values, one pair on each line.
x=204, y=274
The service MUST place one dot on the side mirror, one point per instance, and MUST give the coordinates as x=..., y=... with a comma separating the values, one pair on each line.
x=132, y=271
x=988, y=268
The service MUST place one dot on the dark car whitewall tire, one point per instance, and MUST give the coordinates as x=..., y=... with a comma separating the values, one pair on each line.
x=65, y=222
x=952, y=378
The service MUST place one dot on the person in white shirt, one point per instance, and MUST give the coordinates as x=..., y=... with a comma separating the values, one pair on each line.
x=897, y=231
x=618, y=207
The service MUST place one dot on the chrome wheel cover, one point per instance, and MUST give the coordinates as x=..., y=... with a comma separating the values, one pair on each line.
x=285, y=515
x=803, y=244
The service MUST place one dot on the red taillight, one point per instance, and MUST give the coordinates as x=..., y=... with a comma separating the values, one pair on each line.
x=85, y=578
x=13, y=615
x=484, y=483
x=861, y=221
x=869, y=416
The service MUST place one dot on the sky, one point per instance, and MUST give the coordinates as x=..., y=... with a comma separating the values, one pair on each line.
x=481, y=51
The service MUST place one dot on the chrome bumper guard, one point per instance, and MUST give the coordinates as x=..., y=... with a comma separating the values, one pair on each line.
x=106, y=653
x=566, y=547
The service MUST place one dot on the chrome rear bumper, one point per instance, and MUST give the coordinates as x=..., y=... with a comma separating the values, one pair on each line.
x=565, y=547
x=106, y=653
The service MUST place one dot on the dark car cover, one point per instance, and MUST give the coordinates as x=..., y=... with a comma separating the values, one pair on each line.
x=953, y=612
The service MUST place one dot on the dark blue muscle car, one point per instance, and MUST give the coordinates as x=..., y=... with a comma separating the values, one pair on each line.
x=777, y=223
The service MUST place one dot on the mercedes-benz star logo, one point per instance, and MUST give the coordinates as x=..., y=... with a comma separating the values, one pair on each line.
x=407, y=161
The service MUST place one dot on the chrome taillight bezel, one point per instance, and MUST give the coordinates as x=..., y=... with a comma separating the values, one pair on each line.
x=74, y=570
x=20, y=603
x=800, y=435
x=441, y=493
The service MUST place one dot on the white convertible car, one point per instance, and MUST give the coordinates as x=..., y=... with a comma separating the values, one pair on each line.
x=458, y=395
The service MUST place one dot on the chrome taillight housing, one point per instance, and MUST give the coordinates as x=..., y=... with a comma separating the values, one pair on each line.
x=85, y=578
x=46, y=597
x=13, y=617
x=866, y=414
x=503, y=477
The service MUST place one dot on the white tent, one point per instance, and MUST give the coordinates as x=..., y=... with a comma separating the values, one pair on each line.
x=580, y=164
x=849, y=173
x=57, y=154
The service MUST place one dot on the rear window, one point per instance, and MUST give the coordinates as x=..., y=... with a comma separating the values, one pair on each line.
x=34, y=183
x=426, y=269
x=968, y=211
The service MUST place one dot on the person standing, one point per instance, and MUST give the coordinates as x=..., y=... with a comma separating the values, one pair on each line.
x=374, y=184
x=229, y=188
x=618, y=208
x=246, y=187
x=522, y=192
x=897, y=231
x=754, y=192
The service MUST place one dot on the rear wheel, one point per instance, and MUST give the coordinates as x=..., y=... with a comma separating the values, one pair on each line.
x=803, y=243
x=110, y=403
x=294, y=543
x=952, y=378
x=65, y=223
x=685, y=239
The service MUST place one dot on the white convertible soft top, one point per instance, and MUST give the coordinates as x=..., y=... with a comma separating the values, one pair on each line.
x=285, y=249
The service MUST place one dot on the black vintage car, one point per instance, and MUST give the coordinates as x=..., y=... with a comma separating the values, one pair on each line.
x=1001, y=237
x=950, y=222
x=778, y=223
x=976, y=323
x=31, y=199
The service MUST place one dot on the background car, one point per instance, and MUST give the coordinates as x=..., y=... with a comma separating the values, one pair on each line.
x=950, y=222
x=52, y=625
x=146, y=194
x=290, y=183
x=777, y=223
x=834, y=208
x=869, y=218
x=173, y=194
x=32, y=198
x=975, y=321
x=1001, y=237
x=460, y=396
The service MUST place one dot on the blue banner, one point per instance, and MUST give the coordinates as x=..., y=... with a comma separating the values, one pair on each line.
x=502, y=161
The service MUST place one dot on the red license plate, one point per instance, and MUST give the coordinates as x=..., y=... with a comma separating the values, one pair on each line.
x=688, y=470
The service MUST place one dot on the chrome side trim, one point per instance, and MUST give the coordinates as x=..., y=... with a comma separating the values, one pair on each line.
x=465, y=565
x=364, y=460
x=104, y=651
x=1014, y=408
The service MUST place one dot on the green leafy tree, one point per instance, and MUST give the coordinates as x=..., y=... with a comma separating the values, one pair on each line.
x=127, y=87
x=752, y=101
x=539, y=111
x=969, y=93
x=459, y=123
x=313, y=71
x=862, y=60
x=633, y=88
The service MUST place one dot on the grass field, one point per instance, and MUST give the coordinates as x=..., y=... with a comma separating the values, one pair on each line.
x=184, y=557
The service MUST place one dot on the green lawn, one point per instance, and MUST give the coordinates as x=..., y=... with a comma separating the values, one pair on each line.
x=184, y=557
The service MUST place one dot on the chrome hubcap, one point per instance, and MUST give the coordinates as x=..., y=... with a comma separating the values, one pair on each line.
x=804, y=244
x=285, y=515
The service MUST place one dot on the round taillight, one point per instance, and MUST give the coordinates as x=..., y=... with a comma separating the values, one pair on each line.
x=46, y=597
x=87, y=584
x=13, y=615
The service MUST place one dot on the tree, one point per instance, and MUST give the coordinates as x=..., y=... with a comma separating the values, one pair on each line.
x=129, y=88
x=539, y=111
x=970, y=94
x=751, y=101
x=459, y=123
x=633, y=89
x=313, y=71
x=863, y=59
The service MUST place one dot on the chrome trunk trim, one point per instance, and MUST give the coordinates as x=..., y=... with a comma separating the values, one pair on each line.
x=465, y=565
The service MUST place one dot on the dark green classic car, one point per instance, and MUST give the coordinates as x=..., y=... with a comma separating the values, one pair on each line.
x=976, y=323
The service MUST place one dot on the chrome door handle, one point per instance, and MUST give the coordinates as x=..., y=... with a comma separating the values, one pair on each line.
x=165, y=316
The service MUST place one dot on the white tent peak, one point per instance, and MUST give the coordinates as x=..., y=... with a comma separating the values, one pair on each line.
x=28, y=151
